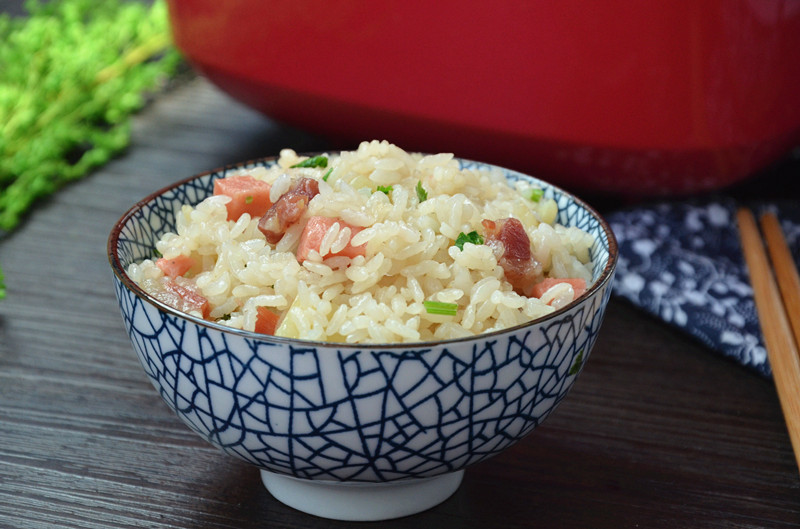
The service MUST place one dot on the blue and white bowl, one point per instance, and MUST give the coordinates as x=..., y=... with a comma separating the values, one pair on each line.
x=356, y=432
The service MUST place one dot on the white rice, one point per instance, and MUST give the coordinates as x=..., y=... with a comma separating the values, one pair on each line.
x=410, y=253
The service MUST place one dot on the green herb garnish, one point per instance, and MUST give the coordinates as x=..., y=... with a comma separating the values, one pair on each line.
x=157, y=254
x=576, y=365
x=385, y=189
x=537, y=194
x=325, y=177
x=422, y=195
x=440, y=307
x=72, y=72
x=248, y=199
x=316, y=161
x=225, y=317
x=473, y=237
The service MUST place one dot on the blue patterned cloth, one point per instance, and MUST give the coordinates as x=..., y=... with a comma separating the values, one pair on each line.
x=682, y=262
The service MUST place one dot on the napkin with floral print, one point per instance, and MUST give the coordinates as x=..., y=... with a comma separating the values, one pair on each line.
x=682, y=262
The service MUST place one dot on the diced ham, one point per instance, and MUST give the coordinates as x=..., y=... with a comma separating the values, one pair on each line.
x=314, y=232
x=176, y=266
x=182, y=294
x=266, y=320
x=248, y=195
x=288, y=209
x=578, y=286
x=508, y=238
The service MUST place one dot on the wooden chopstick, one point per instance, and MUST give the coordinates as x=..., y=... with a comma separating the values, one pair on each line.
x=782, y=349
x=785, y=270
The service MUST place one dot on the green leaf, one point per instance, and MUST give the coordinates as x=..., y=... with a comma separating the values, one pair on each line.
x=440, y=307
x=325, y=178
x=316, y=161
x=385, y=189
x=72, y=74
x=422, y=195
x=472, y=237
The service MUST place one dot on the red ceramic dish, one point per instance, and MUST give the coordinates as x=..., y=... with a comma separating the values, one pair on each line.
x=656, y=97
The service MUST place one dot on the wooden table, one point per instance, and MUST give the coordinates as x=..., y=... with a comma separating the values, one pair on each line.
x=658, y=431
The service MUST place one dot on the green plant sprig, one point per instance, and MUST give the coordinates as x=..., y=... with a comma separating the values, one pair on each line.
x=72, y=72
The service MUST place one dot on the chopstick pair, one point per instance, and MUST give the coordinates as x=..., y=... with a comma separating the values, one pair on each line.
x=777, y=298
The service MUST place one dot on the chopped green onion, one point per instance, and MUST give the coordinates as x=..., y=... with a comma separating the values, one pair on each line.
x=325, y=178
x=576, y=365
x=385, y=189
x=316, y=161
x=422, y=195
x=537, y=194
x=248, y=199
x=440, y=307
x=473, y=237
x=157, y=254
x=225, y=317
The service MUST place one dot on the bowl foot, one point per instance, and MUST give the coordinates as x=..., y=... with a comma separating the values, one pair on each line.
x=361, y=501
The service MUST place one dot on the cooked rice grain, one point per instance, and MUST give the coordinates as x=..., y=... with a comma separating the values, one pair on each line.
x=410, y=252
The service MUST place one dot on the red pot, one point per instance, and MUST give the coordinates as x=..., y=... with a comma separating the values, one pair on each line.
x=640, y=98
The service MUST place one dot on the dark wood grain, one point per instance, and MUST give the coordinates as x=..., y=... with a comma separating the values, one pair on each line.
x=658, y=431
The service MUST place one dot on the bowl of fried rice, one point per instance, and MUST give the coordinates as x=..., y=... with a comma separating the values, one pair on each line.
x=362, y=326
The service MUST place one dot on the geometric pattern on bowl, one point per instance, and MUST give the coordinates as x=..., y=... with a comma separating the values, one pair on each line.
x=341, y=412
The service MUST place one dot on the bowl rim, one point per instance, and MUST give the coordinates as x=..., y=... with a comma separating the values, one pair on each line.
x=122, y=276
